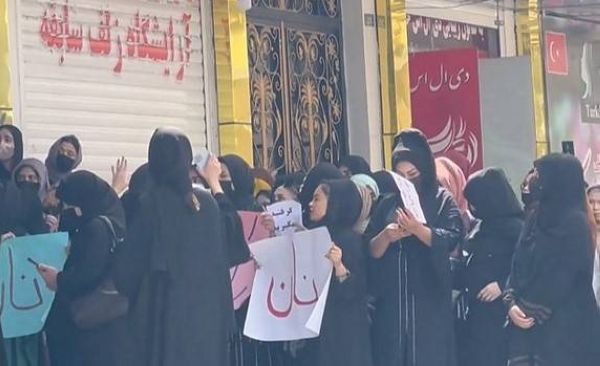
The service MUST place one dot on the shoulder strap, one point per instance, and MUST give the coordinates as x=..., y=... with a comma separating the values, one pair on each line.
x=115, y=239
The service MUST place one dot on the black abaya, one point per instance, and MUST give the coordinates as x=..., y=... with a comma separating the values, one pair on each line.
x=344, y=336
x=87, y=266
x=490, y=246
x=413, y=319
x=174, y=268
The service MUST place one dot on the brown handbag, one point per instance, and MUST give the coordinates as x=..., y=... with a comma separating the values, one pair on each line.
x=104, y=304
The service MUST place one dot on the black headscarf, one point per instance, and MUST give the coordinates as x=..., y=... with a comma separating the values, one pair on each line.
x=355, y=164
x=94, y=197
x=170, y=193
x=54, y=174
x=170, y=158
x=491, y=195
x=5, y=175
x=138, y=186
x=343, y=205
x=385, y=182
x=561, y=187
x=242, y=179
x=318, y=174
x=411, y=145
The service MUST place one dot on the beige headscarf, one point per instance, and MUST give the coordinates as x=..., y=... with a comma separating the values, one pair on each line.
x=366, y=197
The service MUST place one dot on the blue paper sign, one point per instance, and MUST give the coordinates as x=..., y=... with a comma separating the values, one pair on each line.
x=25, y=300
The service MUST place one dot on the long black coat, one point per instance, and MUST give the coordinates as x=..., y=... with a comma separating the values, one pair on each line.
x=182, y=315
x=344, y=336
x=551, y=276
x=415, y=280
x=88, y=264
x=84, y=270
x=491, y=246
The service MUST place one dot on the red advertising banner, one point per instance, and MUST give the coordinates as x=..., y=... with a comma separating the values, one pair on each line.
x=445, y=102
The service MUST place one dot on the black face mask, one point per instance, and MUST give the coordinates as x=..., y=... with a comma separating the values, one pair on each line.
x=418, y=183
x=64, y=164
x=30, y=187
x=69, y=220
x=227, y=188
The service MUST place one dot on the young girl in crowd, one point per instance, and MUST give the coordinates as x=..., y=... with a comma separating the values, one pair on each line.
x=554, y=320
x=344, y=337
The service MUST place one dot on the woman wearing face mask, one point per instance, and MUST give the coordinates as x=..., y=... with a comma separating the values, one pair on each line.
x=31, y=175
x=414, y=324
x=490, y=246
x=64, y=156
x=173, y=266
x=554, y=320
x=344, y=337
x=84, y=197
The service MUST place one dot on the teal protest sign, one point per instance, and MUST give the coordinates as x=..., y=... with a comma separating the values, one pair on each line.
x=25, y=300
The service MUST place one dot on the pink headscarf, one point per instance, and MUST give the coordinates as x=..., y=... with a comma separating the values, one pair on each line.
x=460, y=160
x=451, y=177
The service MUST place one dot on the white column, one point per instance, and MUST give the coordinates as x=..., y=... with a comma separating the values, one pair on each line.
x=361, y=62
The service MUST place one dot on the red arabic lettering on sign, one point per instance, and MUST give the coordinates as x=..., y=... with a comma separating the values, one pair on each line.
x=445, y=101
x=144, y=38
x=292, y=287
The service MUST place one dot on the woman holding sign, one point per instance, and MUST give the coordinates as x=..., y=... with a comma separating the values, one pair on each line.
x=413, y=322
x=344, y=337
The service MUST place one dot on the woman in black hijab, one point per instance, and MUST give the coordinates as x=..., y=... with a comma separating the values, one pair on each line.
x=490, y=245
x=385, y=182
x=237, y=182
x=344, y=337
x=173, y=266
x=554, y=320
x=316, y=176
x=413, y=323
x=353, y=165
x=84, y=197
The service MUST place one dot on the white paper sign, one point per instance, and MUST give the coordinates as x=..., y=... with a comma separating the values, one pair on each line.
x=410, y=197
x=290, y=287
x=287, y=216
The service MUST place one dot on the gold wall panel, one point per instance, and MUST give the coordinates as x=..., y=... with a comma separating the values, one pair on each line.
x=233, y=81
x=394, y=72
x=529, y=43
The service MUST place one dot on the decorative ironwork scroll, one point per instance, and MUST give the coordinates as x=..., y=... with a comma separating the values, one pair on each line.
x=297, y=88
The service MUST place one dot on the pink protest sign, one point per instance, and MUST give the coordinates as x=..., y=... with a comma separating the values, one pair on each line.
x=242, y=276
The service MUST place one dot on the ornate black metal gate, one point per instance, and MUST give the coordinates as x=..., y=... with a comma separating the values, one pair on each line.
x=297, y=83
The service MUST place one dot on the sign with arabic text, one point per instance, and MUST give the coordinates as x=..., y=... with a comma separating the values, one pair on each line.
x=287, y=216
x=242, y=275
x=25, y=301
x=291, y=286
x=445, y=101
